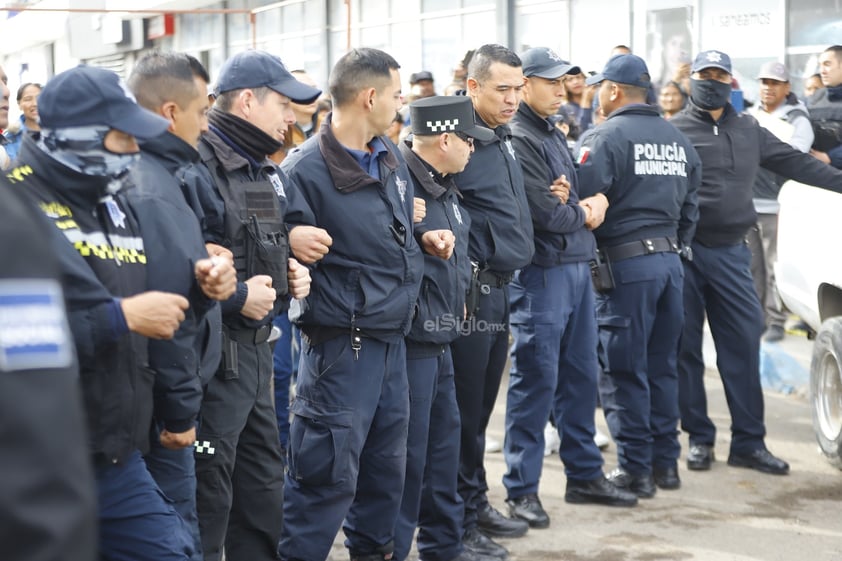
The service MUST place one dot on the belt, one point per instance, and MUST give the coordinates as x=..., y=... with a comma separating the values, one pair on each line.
x=255, y=336
x=640, y=247
x=497, y=280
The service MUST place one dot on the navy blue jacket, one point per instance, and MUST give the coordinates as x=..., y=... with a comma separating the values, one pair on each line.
x=102, y=256
x=370, y=278
x=442, y=298
x=648, y=170
x=732, y=149
x=560, y=232
x=492, y=185
x=173, y=244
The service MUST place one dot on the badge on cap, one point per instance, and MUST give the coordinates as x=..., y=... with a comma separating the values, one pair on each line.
x=714, y=56
x=33, y=327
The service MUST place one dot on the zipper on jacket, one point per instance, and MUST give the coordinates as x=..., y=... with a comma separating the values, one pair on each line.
x=716, y=130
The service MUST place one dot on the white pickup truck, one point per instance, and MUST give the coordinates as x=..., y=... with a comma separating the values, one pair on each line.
x=809, y=278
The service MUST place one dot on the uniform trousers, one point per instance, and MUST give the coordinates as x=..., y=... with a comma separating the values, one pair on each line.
x=718, y=283
x=640, y=323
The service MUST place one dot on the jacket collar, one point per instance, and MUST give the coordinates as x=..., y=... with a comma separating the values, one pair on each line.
x=501, y=132
x=705, y=115
x=171, y=150
x=635, y=109
x=346, y=173
x=421, y=173
x=528, y=114
x=231, y=158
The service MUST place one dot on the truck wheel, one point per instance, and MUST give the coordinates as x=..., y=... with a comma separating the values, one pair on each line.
x=826, y=389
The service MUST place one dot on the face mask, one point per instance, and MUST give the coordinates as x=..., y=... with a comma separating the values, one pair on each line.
x=709, y=94
x=83, y=149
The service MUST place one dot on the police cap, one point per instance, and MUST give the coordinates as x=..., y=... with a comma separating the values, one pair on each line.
x=624, y=69
x=440, y=113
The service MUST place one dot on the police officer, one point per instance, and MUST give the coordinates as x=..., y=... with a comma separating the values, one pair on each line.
x=826, y=109
x=500, y=242
x=443, y=136
x=47, y=493
x=239, y=468
x=347, y=456
x=718, y=283
x=554, y=366
x=174, y=86
x=650, y=174
x=71, y=168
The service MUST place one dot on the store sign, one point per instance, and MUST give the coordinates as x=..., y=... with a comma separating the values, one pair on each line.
x=742, y=30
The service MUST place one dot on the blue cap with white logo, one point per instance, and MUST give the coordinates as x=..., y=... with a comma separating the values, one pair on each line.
x=712, y=59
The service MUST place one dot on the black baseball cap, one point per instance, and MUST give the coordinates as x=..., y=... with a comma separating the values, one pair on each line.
x=91, y=96
x=624, y=69
x=446, y=113
x=544, y=63
x=259, y=69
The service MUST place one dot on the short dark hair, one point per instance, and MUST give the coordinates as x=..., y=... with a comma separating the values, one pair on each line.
x=24, y=86
x=359, y=69
x=225, y=101
x=633, y=92
x=480, y=66
x=161, y=77
x=836, y=50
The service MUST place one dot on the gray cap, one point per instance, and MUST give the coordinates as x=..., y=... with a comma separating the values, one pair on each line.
x=773, y=71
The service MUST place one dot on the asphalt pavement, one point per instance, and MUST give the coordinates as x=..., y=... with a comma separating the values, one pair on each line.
x=725, y=514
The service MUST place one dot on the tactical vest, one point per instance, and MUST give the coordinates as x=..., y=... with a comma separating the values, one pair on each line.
x=826, y=118
x=254, y=223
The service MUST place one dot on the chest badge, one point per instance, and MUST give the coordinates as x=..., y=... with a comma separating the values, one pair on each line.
x=456, y=213
x=401, y=188
x=277, y=185
x=118, y=217
x=511, y=148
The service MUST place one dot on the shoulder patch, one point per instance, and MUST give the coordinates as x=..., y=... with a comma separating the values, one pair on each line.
x=584, y=152
x=33, y=326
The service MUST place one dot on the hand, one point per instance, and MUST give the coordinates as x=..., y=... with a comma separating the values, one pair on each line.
x=588, y=95
x=595, y=208
x=178, y=440
x=298, y=279
x=309, y=244
x=217, y=276
x=216, y=250
x=154, y=314
x=820, y=156
x=419, y=208
x=561, y=188
x=439, y=243
x=260, y=298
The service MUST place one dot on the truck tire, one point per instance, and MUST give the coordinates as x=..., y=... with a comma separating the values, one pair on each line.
x=826, y=389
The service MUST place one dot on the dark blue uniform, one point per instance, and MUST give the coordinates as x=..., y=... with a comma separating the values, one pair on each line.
x=554, y=360
x=500, y=243
x=102, y=254
x=174, y=243
x=347, y=448
x=650, y=174
x=239, y=469
x=718, y=282
x=430, y=499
